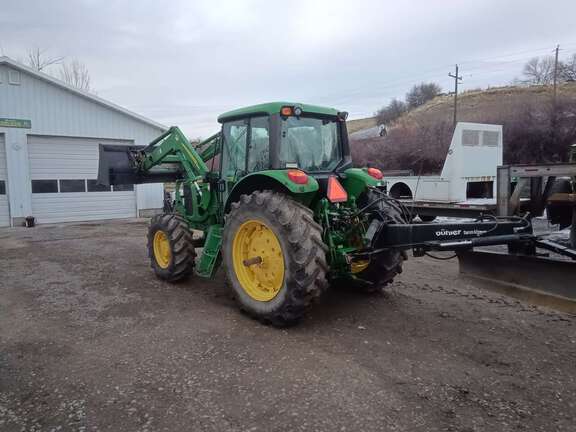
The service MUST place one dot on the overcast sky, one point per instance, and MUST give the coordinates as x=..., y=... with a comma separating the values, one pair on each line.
x=182, y=62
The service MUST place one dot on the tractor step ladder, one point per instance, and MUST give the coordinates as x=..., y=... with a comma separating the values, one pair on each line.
x=211, y=251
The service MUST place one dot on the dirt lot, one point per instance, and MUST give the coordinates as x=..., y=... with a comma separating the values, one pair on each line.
x=90, y=340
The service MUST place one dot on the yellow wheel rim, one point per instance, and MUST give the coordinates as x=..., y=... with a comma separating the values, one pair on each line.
x=358, y=266
x=258, y=260
x=162, y=252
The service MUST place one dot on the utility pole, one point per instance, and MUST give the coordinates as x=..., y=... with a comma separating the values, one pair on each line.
x=456, y=79
x=556, y=72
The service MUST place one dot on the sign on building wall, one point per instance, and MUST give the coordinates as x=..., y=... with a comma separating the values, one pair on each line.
x=15, y=123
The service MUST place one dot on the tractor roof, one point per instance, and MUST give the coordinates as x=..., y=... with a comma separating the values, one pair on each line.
x=274, y=108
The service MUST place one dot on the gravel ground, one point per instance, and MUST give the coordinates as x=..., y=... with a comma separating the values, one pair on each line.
x=91, y=341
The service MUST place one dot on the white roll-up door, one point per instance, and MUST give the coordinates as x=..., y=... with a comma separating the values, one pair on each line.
x=4, y=213
x=63, y=172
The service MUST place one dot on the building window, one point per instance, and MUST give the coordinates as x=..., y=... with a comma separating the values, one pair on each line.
x=44, y=186
x=14, y=77
x=2, y=187
x=95, y=187
x=124, y=188
x=72, y=186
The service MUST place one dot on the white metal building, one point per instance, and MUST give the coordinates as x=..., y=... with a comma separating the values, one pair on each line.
x=49, y=136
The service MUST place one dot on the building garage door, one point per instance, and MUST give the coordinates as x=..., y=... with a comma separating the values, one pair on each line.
x=4, y=213
x=63, y=172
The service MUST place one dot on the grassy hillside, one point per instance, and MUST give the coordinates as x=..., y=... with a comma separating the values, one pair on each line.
x=534, y=130
x=360, y=124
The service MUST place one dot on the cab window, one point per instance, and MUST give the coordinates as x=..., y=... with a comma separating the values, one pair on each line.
x=259, y=145
x=234, y=135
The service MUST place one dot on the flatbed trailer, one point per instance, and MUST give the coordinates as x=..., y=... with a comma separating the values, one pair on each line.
x=432, y=209
x=466, y=187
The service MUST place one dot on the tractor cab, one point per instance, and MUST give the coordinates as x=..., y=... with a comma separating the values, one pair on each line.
x=283, y=135
x=280, y=138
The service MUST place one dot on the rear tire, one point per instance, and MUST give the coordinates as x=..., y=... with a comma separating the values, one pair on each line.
x=257, y=225
x=170, y=247
x=385, y=266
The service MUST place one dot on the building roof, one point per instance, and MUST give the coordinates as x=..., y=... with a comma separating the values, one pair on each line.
x=91, y=97
x=274, y=108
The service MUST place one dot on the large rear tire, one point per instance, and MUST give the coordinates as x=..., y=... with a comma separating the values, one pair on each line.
x=383, y=267
x=170, y=247
x=274, y=257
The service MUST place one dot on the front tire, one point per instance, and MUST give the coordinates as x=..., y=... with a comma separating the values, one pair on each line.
x=170, y=247
x=275, y=260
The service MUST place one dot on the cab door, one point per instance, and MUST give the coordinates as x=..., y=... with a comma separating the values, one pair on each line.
x=245, y=149
x=233, y=165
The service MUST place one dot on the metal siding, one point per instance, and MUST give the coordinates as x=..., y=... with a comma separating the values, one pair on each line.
x=65, y=157
x=55, y=111
x=73, y=158
x=83, y=206
x=4, y=209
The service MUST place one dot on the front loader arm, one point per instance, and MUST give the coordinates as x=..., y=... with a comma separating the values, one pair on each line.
x=210, y=147
x=168, y=158
x=172, y=147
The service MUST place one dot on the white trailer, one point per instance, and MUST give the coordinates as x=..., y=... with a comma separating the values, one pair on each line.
x=467, y=181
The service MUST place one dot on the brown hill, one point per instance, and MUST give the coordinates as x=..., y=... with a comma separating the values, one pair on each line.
x=360, y=124
x=535, y=130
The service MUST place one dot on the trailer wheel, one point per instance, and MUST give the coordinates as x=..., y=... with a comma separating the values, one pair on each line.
x=275, y=260
x=170, y=247
x=381, y=269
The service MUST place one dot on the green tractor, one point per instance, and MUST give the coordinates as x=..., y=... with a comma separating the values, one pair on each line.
x=275, y=197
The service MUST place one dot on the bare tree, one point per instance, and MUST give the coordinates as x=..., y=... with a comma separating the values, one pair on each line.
x=76, y=74
x=539, y=71
x=567, y=69
x=422, y=93
x=37, y=59
x=391, y=112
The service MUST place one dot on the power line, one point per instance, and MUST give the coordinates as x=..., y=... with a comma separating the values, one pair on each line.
x=399, y=82
x=482, y=69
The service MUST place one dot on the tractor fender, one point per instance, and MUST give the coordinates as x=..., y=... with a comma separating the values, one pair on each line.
x=275, y=180
x=357, y=180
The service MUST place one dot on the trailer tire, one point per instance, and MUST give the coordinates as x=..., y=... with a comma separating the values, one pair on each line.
x=274, y=257
x=385, y=266
x=170, y=247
